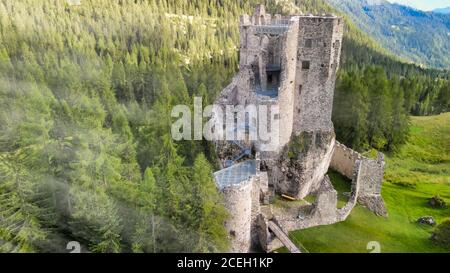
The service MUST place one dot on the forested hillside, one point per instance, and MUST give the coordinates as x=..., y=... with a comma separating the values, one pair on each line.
x=379, y=88
x=85, y=146
x=85, y=99
x=418, y=36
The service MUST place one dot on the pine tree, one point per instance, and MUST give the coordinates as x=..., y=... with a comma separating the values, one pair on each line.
x=209, y=214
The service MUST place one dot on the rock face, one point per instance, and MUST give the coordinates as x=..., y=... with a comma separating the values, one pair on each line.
x=427, y=220
x=304, y=162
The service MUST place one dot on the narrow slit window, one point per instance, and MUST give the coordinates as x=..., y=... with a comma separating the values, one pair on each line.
x=308, y=43
x=306, y=64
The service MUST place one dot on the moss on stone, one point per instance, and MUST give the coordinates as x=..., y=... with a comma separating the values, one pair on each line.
x=300, y=145
x=323, y=139
x=372, y=154
x=305, y=141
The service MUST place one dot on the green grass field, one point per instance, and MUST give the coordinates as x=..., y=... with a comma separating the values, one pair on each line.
x=420, y=170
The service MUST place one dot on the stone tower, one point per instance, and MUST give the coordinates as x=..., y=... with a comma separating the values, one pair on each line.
x=318, y=54
x=289, y=62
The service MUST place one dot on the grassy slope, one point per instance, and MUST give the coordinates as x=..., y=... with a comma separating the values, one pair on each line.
x=423, y=165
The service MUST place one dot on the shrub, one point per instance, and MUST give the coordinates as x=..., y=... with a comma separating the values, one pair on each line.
x=441, y=235
x=437, y=202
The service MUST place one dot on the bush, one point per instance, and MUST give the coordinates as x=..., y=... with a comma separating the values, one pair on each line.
x=437, y=202
x=441, y=235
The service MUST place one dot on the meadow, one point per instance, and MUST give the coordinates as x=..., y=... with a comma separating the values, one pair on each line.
x=419, y=170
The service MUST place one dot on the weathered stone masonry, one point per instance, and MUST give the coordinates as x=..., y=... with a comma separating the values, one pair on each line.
x=369, y=173
x=290, y=62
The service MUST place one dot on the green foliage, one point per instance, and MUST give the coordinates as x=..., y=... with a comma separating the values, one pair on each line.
x=85, y=99
x=208, y=205
x=437, y=202
x=85, y=147
x=418, y=36
x=400, y=231
x=369, y=110
x=299, y=145
x=441, y=236
x=351, y=109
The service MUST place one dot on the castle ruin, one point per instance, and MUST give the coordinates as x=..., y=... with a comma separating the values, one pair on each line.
x=290, y=62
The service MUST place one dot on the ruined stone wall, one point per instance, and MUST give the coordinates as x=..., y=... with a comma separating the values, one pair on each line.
x=254, y=57
x=345, y=211
x=318, y=56
x=344, y=160
x=238, y=91
x=325, y=206
x=372, y=171
x=238, y=201
x=323, y=212
x=371, y=176
x=250, y=46
x=368, y=172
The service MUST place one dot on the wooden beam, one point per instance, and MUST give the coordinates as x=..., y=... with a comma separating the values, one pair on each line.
x=288, y=197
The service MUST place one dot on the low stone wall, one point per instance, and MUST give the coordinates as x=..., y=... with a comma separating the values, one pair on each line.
x=371, y=176
x=322, y=212
x=344, y=160
x=366, y=176
x=345, y=211
x=367, y=172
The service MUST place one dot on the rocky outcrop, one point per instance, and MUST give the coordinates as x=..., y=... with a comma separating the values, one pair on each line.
x=303, y=163
x=427, y=220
